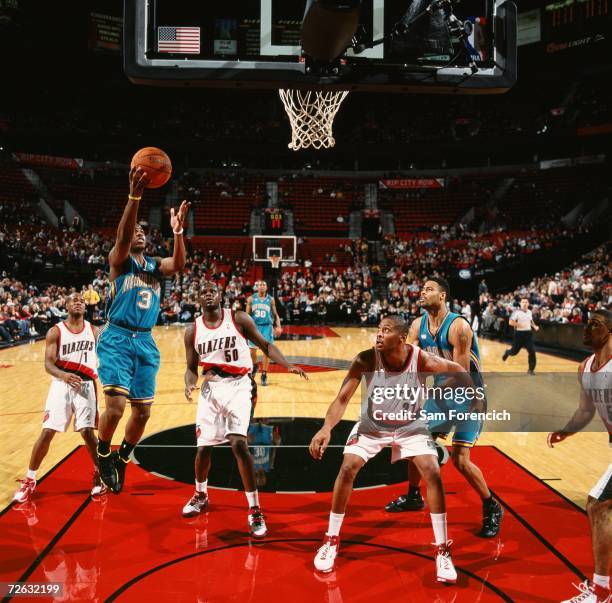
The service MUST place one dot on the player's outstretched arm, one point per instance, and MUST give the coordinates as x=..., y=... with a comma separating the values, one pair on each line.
x=51, y=343
x=269, y=349
x=337, y=408
x=191, y=372
x=125, y=231
x=170, y=266
x=580, y=419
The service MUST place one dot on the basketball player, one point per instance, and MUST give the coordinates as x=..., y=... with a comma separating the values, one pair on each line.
x=70, y=359
x=595, y=376
x=262, y=308
x=129, y=359
x=263, y=442
x=391, y=363
x=217, y=341
x=449, y=335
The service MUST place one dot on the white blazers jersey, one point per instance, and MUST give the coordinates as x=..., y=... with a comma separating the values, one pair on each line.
x=598, y=386
x=223, y=349
x=394, y=413
x=76, y=352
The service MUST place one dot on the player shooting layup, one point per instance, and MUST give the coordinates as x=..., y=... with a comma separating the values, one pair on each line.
x=70, y=359
x=217, y=341
x=129, y=358
x=391, y=363
x=595, y=375
x=449, y=335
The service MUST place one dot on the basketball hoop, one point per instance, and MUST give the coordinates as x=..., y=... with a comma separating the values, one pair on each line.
x=275, y=261
x=311, y=114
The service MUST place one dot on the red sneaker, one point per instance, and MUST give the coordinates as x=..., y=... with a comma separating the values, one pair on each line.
x=25, y=491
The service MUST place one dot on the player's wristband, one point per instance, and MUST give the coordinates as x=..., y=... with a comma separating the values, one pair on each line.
x=180, y=232
x=132, y=198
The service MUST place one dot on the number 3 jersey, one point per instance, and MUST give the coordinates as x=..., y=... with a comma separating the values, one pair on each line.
x=222, y=349
x=134, y=296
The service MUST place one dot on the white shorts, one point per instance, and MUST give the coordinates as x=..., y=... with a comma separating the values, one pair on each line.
x=225, y=406
x=403, y=445
x=63, y=402
x=603, y=488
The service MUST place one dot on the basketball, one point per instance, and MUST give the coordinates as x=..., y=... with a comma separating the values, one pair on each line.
x=156, y=163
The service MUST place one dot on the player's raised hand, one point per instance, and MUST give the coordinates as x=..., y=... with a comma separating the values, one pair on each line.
x=319, y=443
x=138, y=181
x=296, y=370
x=177, y=218
x=555, y=437
x=74, y=381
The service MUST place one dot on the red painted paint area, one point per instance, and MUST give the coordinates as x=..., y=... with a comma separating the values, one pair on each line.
x=136, y=545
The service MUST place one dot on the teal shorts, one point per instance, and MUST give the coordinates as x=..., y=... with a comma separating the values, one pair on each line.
x=465, y=433
x=266, y=332
x=128, y=363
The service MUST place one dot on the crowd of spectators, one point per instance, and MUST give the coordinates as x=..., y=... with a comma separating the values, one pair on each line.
x=565, y=297
x=446, y=250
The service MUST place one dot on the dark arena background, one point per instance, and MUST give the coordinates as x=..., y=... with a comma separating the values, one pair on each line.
x=477, y=152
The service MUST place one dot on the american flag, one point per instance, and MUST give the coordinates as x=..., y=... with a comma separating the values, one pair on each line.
x=184, y=40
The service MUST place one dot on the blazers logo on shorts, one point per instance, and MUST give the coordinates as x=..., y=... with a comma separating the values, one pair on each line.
x=353, y=440
x=46, y=417
x=198, y=432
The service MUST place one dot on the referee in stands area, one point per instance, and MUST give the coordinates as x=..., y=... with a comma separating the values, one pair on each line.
x=522, y=321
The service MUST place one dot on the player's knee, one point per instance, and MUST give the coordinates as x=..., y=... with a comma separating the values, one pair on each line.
x=141, y=412
x=597, y=508
x=203, y=452
x=239, y=446
x=430, y=472
x=348, y=471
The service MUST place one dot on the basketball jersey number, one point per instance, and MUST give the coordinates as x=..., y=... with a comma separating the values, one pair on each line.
x=261, y=313
x=144, y=299
x=231, y=355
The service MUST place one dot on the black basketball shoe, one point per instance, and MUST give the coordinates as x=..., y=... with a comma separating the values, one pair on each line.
x=413, y=501
x=120, y=466
x=492, y=515
x=108, y=472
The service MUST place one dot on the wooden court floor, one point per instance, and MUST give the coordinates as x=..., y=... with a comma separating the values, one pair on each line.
x=572, y=468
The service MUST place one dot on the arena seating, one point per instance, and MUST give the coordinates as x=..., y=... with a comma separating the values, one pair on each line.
x=317, y=203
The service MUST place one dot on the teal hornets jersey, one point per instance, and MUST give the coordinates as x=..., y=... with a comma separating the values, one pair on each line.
x=135, y=294
x=441, y=346
x=261, y=310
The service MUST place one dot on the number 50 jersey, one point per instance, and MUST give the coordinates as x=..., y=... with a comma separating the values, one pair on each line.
x=222, y=349
x=134, y=295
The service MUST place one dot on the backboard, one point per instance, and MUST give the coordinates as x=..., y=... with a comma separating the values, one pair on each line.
x=257, y=44
x=265, y=247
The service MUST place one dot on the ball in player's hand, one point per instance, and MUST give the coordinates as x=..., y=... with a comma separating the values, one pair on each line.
x=155, y=163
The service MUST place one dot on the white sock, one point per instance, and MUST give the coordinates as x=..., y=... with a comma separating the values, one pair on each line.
x=335, y=523
x=32, y=474
x=202, y=486
x=601, y=581
x=438, y=523
x=252, y=499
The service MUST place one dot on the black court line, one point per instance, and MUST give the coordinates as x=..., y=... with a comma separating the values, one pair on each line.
x=567, y=500
x=541, y=538
x=10, y=505
x=51, y=544
x=503, y=596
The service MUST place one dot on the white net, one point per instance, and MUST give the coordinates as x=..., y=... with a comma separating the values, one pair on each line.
x=311, y=114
